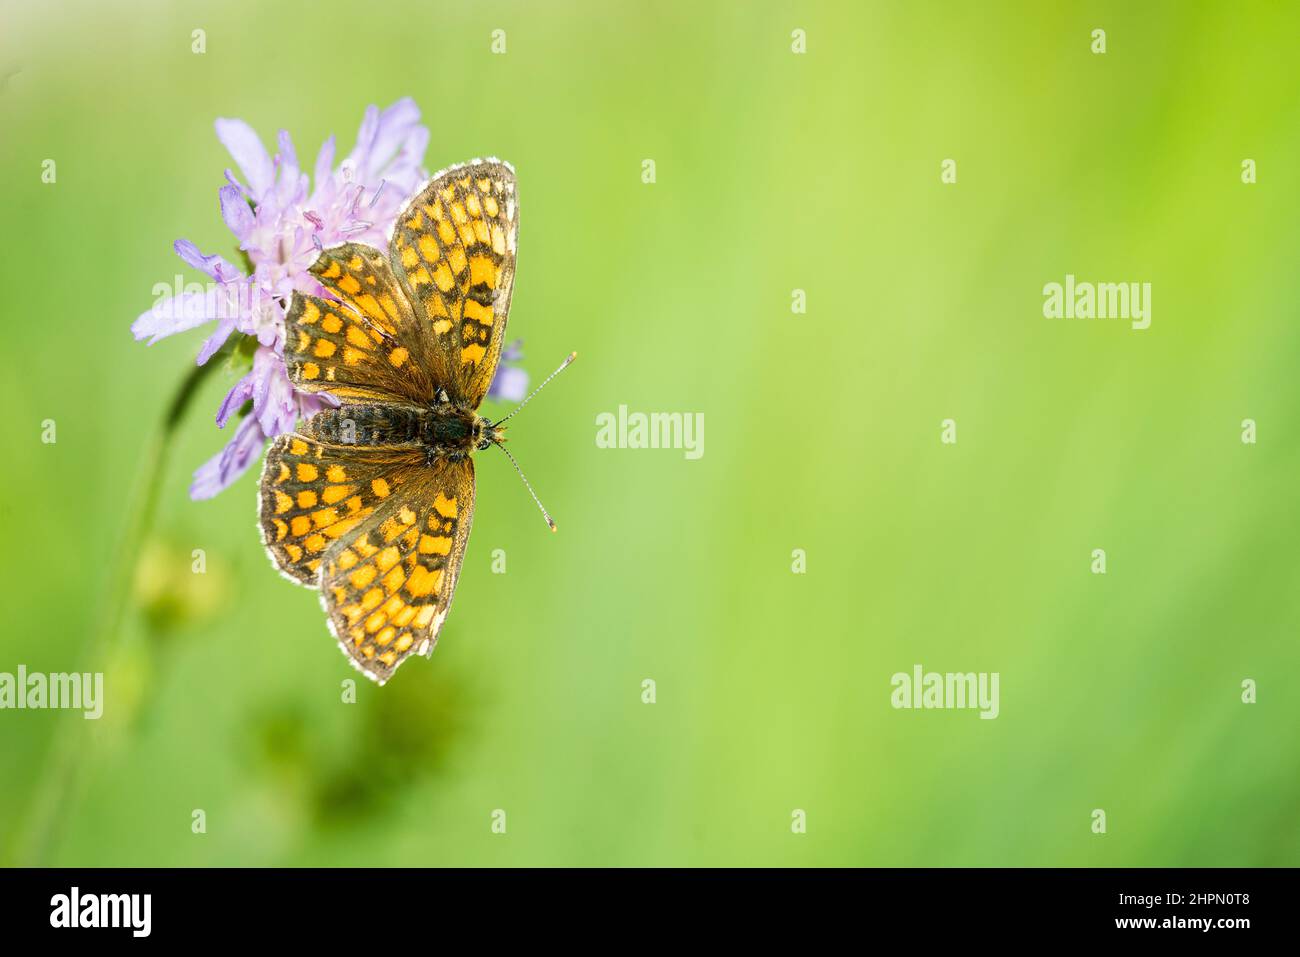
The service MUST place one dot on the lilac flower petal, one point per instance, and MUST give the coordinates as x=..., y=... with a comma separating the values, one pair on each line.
x=405, y=169
x=215, y=341
x=222, y=469
x=273, y=398
x=288, y=156
x=236, y=397
x=261, y=316
x=396, y=124
x=236, y=212
x=176, y=314
x=233, y=180
x=214, y=265
x=261, y=381
x=510, y=384
x=291, y=186
x=249, y=154
x=359, y=158
x=309, y=403
x=293, y=190
x=324, y=162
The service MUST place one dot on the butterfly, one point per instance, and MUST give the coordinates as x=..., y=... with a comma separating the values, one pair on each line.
x=372, y=501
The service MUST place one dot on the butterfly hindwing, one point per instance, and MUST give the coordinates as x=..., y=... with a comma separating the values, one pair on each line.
x=314, y=494
x=368, y=344
x=453, y=249
x=387, y=587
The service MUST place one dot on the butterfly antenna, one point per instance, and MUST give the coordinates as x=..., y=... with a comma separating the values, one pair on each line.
x=563, y=365
x=545, y=514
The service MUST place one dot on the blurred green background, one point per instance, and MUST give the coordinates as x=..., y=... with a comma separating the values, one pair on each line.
x=775, y=172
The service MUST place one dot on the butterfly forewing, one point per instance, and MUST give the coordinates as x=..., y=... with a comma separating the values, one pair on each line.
x=453, y=248
x=367, y=344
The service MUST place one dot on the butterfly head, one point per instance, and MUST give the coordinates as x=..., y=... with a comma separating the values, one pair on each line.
x=486, y=434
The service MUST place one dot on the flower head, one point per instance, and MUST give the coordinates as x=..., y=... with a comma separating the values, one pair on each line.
x=281, y=219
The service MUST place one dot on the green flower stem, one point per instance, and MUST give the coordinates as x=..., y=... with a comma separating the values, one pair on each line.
x=57, y=788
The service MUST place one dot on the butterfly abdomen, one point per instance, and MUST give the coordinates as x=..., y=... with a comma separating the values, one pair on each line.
x=370, y=424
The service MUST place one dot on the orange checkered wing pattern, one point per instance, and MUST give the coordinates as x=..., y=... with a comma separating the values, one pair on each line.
x=453, y=251
x=314, y=495
x=368, y=342
x=388, y=586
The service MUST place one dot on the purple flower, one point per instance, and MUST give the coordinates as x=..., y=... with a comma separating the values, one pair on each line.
x=282, y=219
x=510, y=384
x=231, y=462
